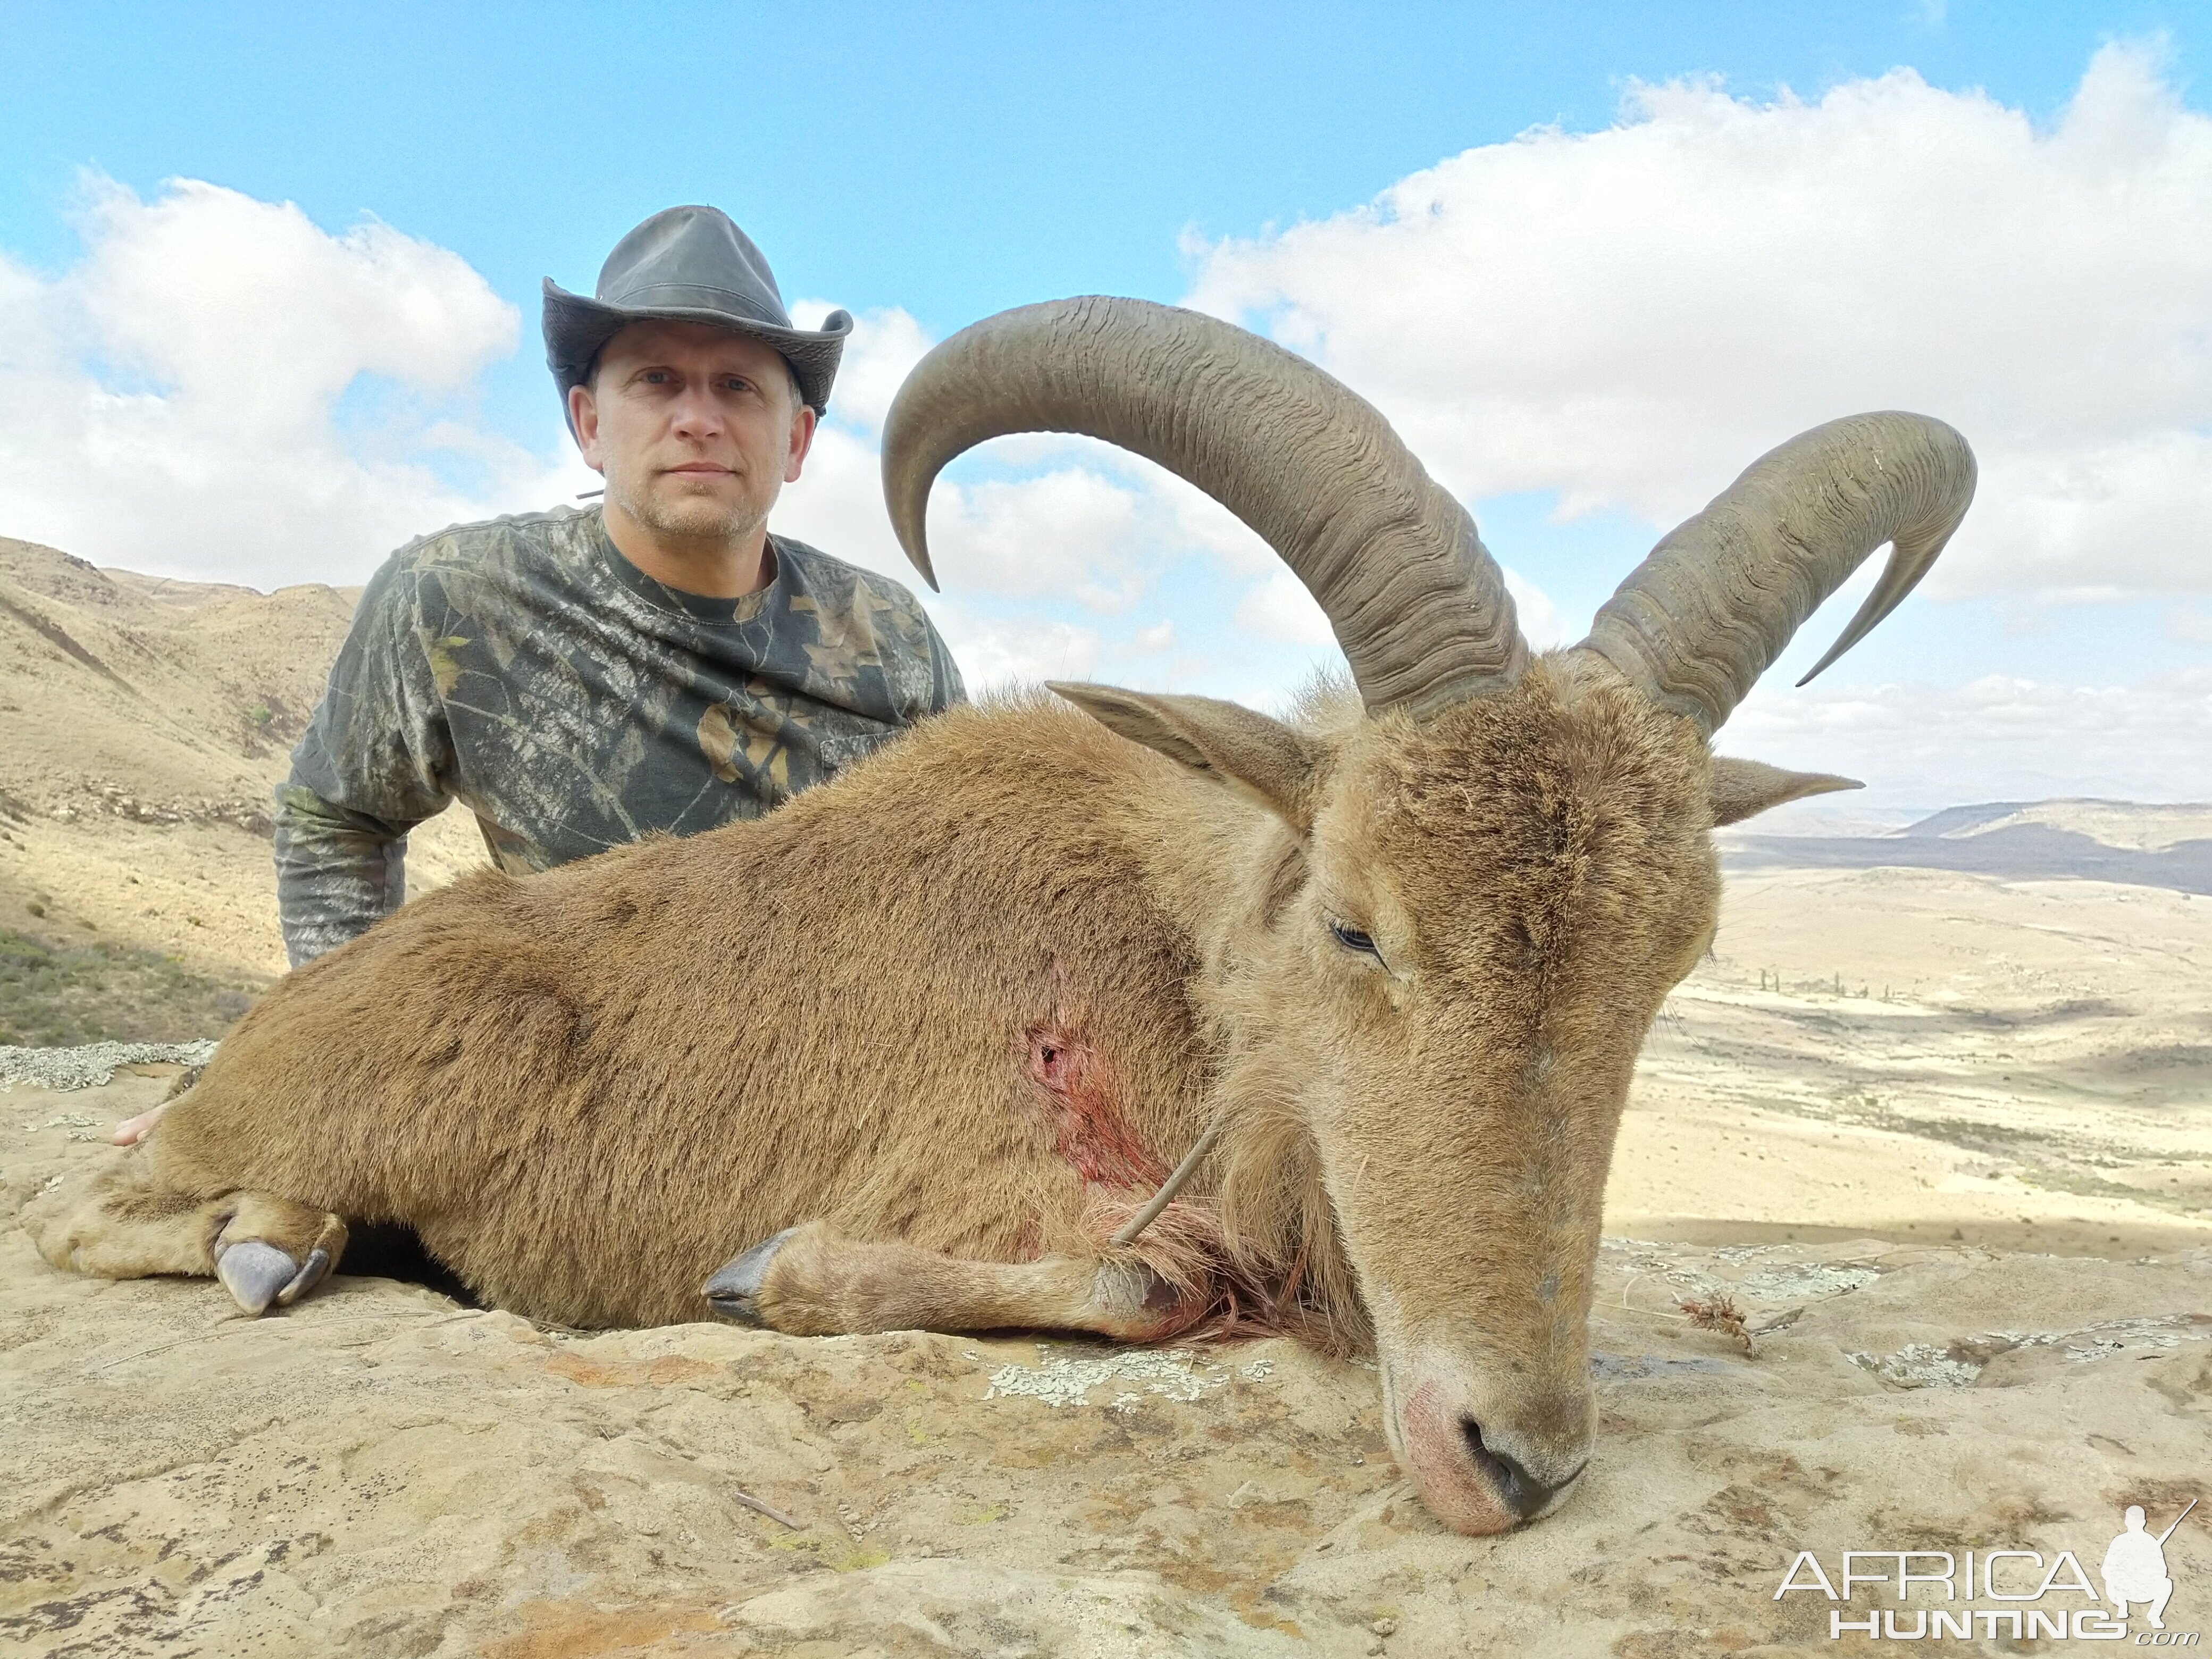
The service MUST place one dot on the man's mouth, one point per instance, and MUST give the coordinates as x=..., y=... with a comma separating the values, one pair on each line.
x=700, y=470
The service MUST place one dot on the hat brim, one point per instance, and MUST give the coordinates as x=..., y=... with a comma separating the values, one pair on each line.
x=577, y=328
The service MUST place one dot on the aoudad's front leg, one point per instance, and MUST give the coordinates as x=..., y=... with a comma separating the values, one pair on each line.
x=125, y=1218
x=814, y=1281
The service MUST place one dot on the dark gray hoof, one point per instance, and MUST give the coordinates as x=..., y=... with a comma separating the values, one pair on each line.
x=255, y=1274
x=734, y=1291
x=317, y=1270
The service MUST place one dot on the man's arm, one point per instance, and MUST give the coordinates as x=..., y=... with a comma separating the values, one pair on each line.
x=336, y=873
x=375, y=761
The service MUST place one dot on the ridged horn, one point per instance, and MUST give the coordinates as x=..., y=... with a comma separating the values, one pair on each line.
x=1416, y=601
x=1716, y=601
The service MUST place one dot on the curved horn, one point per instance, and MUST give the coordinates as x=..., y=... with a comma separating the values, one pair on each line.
x=1716, y=602
x=1418, y=604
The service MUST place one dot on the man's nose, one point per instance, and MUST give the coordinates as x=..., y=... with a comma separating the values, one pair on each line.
x=696, y=413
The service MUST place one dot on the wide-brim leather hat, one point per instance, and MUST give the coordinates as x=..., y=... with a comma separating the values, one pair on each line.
x=688, y=264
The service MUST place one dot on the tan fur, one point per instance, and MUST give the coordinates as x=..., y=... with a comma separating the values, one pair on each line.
x=909, y=1010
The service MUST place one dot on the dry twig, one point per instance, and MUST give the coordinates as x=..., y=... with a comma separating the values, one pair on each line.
x=759, y=1508
x=1719, y=1313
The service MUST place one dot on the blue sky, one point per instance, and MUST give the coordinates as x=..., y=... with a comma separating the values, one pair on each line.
x=932, y=165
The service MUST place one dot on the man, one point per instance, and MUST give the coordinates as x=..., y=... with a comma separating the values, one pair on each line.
x=579, y=678
x=661, y=662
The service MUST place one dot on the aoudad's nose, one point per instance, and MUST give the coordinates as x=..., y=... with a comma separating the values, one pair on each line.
x=1520, y=1490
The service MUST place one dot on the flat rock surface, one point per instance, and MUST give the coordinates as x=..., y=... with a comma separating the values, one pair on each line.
x=382, y=1471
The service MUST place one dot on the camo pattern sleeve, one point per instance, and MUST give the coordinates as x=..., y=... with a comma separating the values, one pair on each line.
x=371, y=764
x=526, y=669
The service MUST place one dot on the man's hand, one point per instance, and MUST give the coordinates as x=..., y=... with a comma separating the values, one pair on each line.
x=131, y=1130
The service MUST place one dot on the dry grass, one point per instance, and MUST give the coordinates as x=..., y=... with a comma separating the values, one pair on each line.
x=56, y=994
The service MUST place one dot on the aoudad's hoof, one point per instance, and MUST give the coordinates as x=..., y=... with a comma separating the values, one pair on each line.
x=258, y=1275
x=734, y=1291
x=255, y=1274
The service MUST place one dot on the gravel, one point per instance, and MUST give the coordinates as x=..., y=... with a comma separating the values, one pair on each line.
x=95, y=1063
x=1060, y=1379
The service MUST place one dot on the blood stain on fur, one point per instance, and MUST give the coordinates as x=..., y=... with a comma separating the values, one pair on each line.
x=1093, y=1134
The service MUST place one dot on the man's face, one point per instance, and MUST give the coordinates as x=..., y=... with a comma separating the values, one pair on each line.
x=696, y=429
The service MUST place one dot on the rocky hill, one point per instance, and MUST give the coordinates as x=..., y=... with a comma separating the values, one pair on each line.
x=147, y=722
x=2167, y=846
x=154, y=700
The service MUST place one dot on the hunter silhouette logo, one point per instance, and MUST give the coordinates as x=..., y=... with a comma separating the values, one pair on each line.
x=2135, y=1567
x=2029, y=1594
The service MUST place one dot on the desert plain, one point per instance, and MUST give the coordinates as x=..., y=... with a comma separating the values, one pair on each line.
x=1934, y=1120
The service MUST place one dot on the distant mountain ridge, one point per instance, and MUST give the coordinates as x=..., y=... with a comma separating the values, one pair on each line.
x=2145, y=827
x=1965, y=820
x=144, y=724
x=2138, y=843
x=116, y=686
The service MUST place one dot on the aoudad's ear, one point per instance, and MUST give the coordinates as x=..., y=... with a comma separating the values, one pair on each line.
x=1744, y=788
x=1270, y=761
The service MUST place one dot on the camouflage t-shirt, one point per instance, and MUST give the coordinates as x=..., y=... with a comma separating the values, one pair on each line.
x=528, y=670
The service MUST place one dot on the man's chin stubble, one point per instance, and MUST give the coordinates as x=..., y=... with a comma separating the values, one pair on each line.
x=693, y=520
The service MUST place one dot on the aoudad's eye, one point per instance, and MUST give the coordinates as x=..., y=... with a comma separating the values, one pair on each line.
x=1352, y=939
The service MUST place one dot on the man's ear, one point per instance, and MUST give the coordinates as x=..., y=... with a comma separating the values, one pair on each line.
x=1743, y=789
x=584, y=421
x=801, y=439
x=1277, y=765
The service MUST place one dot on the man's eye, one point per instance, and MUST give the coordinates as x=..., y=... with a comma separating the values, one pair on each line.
x=1352, y=939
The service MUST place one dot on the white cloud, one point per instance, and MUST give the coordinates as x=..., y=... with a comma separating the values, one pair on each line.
x=1541, y=625
x=882, y=347
x=1630, y=317
x=1998, y=737
x=221, y=387
x=1277, y=607
x=838, y=503
x=1073, y=533
x=1151, y=642
x=2192, y=624
x=998, y=653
